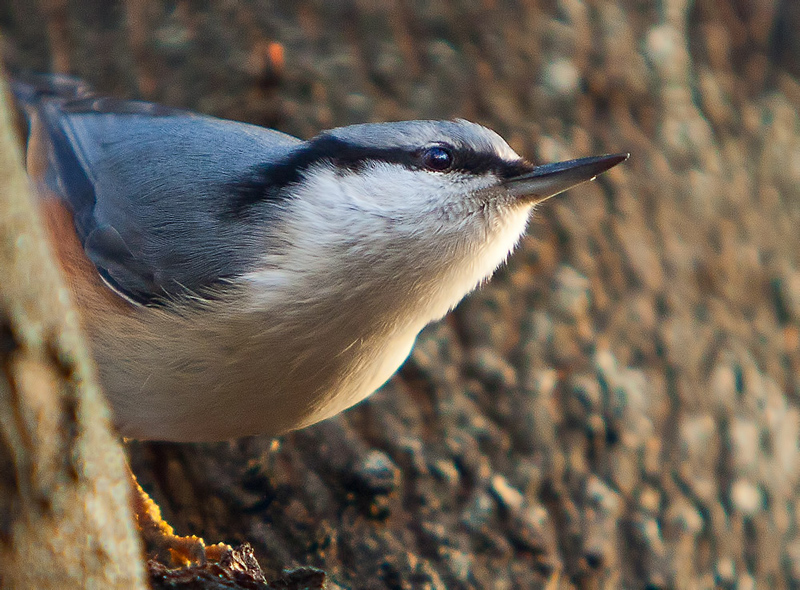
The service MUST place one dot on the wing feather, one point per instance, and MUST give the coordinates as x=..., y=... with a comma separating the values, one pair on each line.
x=150, y=187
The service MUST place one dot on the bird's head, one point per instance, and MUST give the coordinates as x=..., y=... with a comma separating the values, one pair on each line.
x=414, y=203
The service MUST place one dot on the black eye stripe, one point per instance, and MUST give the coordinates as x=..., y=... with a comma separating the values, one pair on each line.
x=265, y=182
x=479, y=163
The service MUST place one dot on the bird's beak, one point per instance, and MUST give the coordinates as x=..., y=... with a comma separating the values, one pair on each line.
x=547, y=181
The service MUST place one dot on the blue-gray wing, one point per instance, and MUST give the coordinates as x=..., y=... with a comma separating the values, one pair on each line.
x=151, y=188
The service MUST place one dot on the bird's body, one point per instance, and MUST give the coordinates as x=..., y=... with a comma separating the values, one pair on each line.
x=235, y=280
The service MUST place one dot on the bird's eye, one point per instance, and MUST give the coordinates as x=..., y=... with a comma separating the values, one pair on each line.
x=437, y=158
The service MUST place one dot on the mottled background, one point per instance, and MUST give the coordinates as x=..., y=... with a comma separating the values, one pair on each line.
x=619, y=406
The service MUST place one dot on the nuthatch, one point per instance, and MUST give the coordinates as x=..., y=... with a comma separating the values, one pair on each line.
x=235, y=280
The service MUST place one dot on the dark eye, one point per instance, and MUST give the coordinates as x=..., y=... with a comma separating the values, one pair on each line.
x=437, y=158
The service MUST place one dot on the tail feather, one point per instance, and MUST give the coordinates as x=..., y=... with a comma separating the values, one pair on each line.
x=31, y=90
x=40, y=97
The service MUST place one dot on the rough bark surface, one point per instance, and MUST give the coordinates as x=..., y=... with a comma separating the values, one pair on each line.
x=620, y=406
x=65, y=516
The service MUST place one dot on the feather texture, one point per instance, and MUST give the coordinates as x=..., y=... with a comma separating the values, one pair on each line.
x=270, y=314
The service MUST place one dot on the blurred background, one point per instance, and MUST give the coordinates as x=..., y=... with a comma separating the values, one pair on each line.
x=619, y=406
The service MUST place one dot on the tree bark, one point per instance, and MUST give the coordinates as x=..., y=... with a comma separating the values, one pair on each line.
x=65, y=516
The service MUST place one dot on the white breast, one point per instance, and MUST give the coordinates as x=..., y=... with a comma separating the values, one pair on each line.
x=308, y=337
x=172, y=379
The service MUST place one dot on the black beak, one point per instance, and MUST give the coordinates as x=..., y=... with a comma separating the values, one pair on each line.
x=546, y=181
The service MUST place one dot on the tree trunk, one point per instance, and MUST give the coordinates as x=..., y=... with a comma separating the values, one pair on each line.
x=65, y=516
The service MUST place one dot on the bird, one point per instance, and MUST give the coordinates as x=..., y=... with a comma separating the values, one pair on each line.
x=234, y=280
